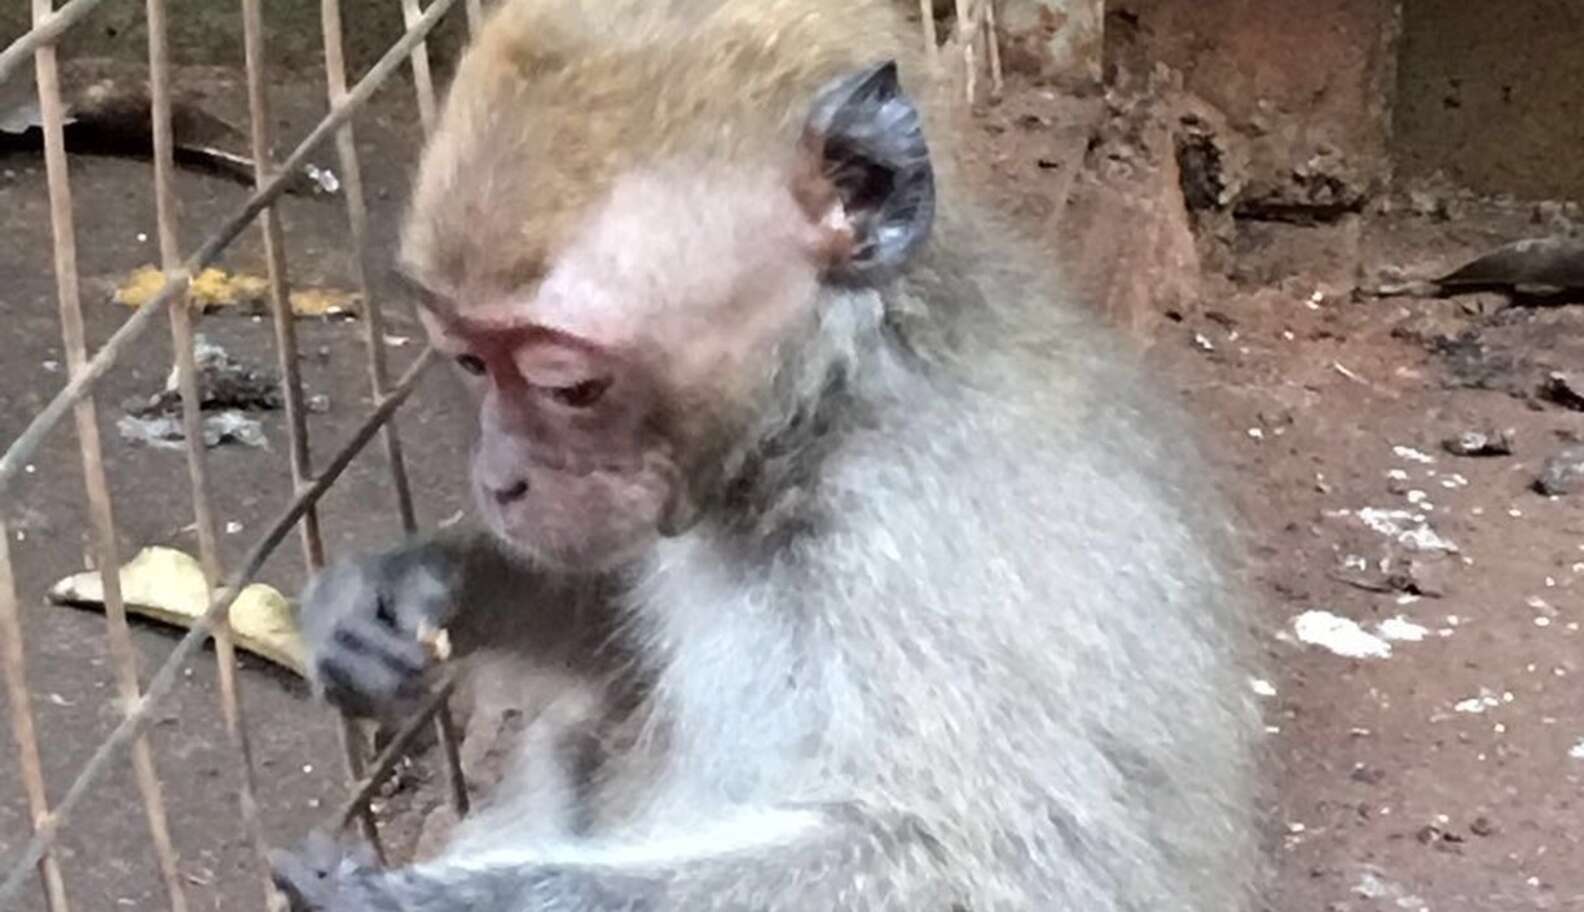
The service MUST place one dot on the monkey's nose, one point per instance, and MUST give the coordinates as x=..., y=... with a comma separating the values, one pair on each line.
x=512, y=492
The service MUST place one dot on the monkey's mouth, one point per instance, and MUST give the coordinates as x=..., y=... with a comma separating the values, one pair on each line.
x=590, y=522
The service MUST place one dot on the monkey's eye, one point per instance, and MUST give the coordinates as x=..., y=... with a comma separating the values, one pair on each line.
x=473, y=364
x=581, y=395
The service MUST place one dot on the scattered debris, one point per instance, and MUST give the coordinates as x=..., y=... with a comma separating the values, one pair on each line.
x=318, y=404
x=166, y=432
x=168, y=585
x=1413, y=455
x=1406, y=528
x=1577, y=750
x=224, y=382
x=1562, y=473
x=1480, y=443
x=214, y=289
x=1262, y=687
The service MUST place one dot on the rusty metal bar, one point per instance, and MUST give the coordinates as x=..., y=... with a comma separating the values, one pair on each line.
x=352, y=746
x=182, y=346
x=165, y=678
x=14, y=664
x=931, y=48
x=280, y=298
x=44, y=33
x=993, y=48
x=423, y=81
x=445, y=726
x=107, y=551
x=357, y=218
x=28, y=442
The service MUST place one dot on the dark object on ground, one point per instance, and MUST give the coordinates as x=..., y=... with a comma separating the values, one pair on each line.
x=1480, y=443
x=223, y=383
x=1564, y=389
x=108, y=110
x=1547, y=264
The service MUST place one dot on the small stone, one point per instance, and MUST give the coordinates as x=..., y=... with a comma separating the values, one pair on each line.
x=1480, y=443
x=1482, y=826
x=1562, y=473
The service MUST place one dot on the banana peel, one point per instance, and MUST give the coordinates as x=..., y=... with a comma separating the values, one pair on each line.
x=168, y=585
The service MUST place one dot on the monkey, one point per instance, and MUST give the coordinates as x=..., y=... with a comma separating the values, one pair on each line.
x=850, y=562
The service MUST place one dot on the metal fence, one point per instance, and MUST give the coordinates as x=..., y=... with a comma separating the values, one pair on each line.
x=78, y=397
x=271, y=179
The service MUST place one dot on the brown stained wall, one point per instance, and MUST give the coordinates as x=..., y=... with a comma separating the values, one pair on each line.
x=1306, y=81
x=1492, y=93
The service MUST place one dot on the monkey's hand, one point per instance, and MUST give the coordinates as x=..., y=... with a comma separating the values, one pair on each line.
x=323, y=875
x=365, y=624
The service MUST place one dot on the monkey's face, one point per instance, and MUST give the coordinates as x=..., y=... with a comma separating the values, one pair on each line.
x=624, y=317
x=610, y=388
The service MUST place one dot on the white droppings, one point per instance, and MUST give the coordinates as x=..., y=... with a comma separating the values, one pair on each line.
x=1256, y=433
x=1397, y=474
x=1262, y=687
x=1542, y=621
x=1400, y=628
x=1577, y=750
x=1339, y=635
x=1203, y=342
x=1485, y=700
x=1413, y=455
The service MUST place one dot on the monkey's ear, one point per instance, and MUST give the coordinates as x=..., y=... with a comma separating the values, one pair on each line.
x=867, y=141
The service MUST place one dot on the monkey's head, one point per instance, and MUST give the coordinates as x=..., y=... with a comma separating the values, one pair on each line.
x=625, y=231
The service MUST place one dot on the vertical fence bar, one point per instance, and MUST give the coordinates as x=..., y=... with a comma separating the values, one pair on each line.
x=73, y=339
x=931, y=48
x=475, y=16
x=445, y=726
x=357, y=218
x=423, y=81
x=287, y=353
x=13, y=659
x=182, y=346
x=275, y=265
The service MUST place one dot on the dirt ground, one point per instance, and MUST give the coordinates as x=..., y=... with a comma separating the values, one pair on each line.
x=1443, y=776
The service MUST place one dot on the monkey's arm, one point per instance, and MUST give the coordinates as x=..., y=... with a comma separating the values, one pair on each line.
x=833, y=857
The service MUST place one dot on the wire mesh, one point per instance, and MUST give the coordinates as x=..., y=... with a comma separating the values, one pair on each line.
x=78, y=396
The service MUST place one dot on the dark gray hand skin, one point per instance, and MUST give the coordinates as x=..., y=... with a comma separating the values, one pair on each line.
x=840, y=560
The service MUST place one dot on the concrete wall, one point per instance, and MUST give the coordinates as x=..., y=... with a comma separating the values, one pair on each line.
x=1492, y=93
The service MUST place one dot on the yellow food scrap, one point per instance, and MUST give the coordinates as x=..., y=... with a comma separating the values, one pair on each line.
x=216, y=289
x=436, y=641
x=169, y=586
x=323, y=302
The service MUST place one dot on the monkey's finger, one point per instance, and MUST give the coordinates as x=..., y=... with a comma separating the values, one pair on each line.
x=403, y=653
x=364, y=685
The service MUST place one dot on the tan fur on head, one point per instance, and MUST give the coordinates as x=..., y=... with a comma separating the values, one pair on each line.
x=558, y=99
